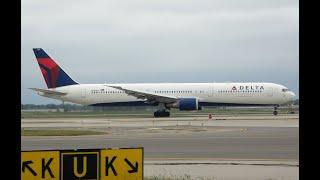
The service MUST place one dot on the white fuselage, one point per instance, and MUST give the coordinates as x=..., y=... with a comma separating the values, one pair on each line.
x=206, y=93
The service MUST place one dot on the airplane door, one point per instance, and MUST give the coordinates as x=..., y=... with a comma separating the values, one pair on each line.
x=83, y=93
x=211, y=91
x=269, y=92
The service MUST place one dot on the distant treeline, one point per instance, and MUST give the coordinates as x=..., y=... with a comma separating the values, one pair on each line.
x=52, y=106
x=75, y=107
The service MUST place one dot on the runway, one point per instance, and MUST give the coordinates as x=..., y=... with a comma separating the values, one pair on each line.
x=255, y=139
x=253, y=143
x=225, y=120
x=187, y=147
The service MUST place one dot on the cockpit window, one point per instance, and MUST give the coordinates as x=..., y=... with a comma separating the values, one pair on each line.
x=285, y=90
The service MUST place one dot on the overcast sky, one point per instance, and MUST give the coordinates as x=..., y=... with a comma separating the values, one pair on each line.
x=129, y=41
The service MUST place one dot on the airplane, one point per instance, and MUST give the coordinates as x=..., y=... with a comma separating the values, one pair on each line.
x=183, y=96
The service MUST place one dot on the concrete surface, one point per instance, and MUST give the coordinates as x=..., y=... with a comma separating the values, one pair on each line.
x=244, y=147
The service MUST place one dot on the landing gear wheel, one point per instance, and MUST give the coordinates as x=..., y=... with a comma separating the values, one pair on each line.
x=161, y=114
x=275, y=113
x=275, y=110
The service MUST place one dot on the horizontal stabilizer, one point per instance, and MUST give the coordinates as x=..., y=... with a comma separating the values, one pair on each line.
x=49, y=92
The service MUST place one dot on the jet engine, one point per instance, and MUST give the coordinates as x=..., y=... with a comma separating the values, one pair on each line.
x=186, y=104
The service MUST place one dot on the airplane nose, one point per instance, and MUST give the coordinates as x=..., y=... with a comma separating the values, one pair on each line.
x=291, y=95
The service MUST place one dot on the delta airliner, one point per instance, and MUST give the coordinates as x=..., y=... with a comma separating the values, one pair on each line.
x=183, y=96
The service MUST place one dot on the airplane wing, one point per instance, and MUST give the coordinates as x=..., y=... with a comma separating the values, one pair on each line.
x=48, y=92
x=150, y=97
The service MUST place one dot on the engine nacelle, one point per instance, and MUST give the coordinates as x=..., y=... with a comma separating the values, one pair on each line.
x=186, y=104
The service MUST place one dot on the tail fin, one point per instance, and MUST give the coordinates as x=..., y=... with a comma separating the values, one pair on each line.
x=52, y=72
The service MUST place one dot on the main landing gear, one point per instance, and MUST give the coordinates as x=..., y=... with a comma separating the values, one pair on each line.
x=275, y=111
x=162, y=113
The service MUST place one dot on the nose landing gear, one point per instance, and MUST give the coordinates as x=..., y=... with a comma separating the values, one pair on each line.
x=275, y=110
